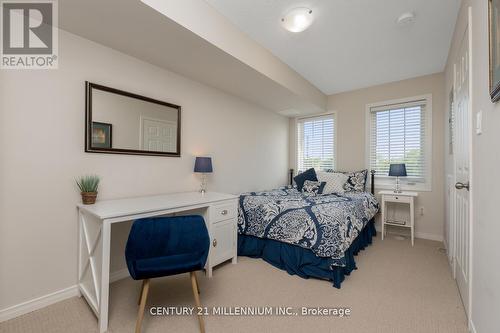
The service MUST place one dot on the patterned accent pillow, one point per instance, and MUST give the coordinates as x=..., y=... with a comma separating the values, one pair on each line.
x=335, y=181
x=309, y=174
x=356, y=181
x=312, y=188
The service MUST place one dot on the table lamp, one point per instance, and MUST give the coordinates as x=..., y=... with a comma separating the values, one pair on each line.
x=397, y=170
x=203, y=165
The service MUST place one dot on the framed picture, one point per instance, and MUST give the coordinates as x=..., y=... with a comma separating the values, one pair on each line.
x=494, y=31
x=102, y=135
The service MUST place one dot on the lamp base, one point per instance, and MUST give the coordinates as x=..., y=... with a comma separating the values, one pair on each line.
x=203, y=186
x=398, y=186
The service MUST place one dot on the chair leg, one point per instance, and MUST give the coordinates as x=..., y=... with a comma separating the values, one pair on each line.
x=197, y=284
x=142, y=305
x=140, y=294
x=194, y=284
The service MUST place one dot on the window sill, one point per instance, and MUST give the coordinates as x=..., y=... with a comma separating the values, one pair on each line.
x=404, y=187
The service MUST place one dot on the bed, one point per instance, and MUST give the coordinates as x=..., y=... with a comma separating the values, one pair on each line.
x=307, y=235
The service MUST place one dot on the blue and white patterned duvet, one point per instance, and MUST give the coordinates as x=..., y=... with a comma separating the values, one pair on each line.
x=325, y=224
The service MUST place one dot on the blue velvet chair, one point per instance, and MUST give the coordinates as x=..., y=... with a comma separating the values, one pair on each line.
x=166, y=246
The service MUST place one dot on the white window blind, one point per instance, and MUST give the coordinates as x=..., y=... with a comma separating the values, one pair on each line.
x=316, y=146
x=398, y=135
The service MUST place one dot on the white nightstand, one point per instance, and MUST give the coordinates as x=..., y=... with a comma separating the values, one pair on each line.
x=404, y=197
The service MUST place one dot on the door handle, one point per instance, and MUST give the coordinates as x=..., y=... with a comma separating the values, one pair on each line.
x=461, y=186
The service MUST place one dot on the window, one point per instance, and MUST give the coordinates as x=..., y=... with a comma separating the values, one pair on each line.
x=400, y=132
x=316, y=143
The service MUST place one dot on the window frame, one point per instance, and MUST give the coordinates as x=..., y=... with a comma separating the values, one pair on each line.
x=385, y=182
x=297, y=120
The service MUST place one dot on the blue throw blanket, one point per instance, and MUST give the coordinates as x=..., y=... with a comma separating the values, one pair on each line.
x=325, y=224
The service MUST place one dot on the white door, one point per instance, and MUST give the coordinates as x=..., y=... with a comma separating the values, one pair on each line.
x=462, y=170
x=158, y=135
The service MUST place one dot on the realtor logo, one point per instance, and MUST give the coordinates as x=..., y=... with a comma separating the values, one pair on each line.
x=29, y=34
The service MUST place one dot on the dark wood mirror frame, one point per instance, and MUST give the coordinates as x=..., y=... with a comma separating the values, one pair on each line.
x=89, y=86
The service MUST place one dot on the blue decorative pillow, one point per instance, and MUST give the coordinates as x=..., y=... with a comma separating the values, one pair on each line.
x=312, y=188
x=309, y=174
x=356, y=181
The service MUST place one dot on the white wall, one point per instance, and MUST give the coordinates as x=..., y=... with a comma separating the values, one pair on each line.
x=485, y=181
x=350, y=108
x=42, y=151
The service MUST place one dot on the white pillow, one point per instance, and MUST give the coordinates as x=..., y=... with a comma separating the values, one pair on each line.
x=335, y=181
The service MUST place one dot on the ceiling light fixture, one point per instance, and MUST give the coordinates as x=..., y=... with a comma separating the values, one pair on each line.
x=297, y=19
x=406, y=18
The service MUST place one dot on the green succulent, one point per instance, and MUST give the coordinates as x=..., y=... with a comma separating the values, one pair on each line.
x=88, y=183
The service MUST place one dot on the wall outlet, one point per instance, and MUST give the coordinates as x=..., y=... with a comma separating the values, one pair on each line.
x=421, y=211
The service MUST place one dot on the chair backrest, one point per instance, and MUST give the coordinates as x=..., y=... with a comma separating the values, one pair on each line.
x=166, y=236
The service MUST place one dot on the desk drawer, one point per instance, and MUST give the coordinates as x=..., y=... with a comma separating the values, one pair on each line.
x=222, y=212
x=397, y=198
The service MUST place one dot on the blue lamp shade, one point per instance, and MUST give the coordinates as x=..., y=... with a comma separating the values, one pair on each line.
x=397, y=170
x=203, y=164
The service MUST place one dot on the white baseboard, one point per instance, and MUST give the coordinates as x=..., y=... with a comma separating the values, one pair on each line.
x=472, y=328
x=421, y=235
x=49, y=299
x=433, y=237
x=118, y=275
x=38, y=303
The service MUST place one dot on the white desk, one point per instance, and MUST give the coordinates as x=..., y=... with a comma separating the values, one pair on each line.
x=403, y=197
x=219, y=210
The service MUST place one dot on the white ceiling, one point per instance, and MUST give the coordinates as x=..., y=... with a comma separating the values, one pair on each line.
x=352, y=44
x=136, y=29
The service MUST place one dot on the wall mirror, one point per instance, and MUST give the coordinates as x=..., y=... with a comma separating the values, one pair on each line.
x=119, y=122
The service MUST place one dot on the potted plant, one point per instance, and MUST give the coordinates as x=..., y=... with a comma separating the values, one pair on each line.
x=88, y=187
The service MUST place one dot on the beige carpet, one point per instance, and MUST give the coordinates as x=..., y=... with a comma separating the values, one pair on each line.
x=396, y=288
